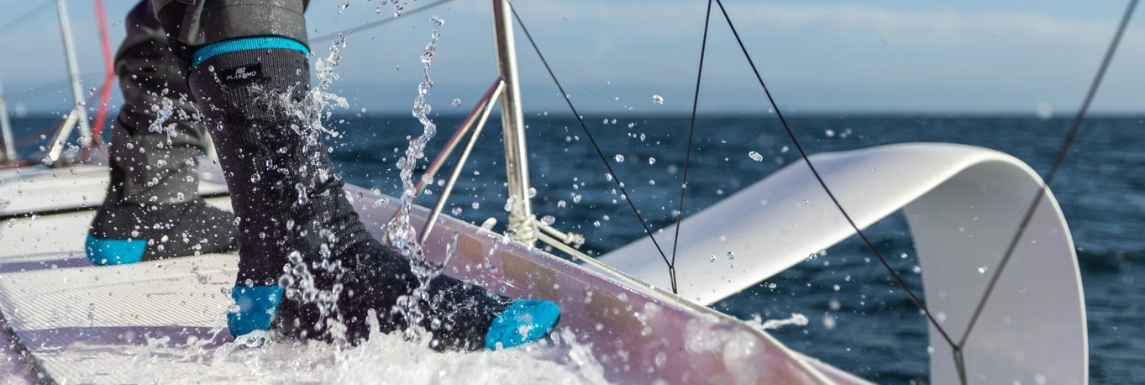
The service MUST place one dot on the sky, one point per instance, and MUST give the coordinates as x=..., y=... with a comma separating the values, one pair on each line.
x=612, y=56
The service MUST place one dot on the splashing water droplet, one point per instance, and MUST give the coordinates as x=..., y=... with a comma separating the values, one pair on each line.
x=1045, y=111
x=657, y=99
x=829, y=321
x=755, y=156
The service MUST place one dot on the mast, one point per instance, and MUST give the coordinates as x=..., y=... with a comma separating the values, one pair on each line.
x=9, y=153
x=80, y=110
x=521, y=223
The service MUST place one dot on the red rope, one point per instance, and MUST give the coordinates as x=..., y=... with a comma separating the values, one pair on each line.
x=105, y=94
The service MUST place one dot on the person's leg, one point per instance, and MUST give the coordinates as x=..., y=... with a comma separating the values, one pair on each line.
x=153, y=209
x=307, y=262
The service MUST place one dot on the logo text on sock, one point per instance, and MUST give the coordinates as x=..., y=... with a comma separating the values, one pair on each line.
x=242, y=74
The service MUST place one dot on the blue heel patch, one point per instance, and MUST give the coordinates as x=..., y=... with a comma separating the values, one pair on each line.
x=256, y=308
x=114, y=251
x=524, y=321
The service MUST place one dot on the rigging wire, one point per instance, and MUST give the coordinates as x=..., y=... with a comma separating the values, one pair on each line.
x=691, y=135
x=802, y=153
x=371, y=25
x=583, y=126
x=1058, y=159
x=24, y=17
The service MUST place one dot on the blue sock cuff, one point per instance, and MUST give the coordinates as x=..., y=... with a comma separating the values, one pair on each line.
x=524, y=321
x=114, y=251
x=245, y=44
x=257, y=307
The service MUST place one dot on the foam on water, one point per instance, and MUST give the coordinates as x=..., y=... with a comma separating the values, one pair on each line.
x=384, y=359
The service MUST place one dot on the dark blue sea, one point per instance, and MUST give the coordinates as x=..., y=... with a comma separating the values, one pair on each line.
x=882, y=336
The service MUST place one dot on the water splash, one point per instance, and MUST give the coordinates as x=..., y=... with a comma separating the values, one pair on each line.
x=401, y=233
x=757, y=322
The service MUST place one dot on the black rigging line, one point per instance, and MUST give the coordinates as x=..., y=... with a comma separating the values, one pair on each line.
x=688, y=153
x=583, y=126
x=363, y=27
x=23, y=18
x=902, y=284
x=1066, y=144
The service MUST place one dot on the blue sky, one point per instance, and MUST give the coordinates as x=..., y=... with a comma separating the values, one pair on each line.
x=818, y=56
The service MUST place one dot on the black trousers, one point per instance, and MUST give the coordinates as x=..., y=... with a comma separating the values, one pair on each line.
x=154, y=147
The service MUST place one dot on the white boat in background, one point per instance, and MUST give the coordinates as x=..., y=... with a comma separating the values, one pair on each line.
x=67, y=321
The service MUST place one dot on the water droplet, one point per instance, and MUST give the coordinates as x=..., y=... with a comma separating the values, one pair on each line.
x=561, y=203
x=456, y=211
x=1045, y=110
x=731, y=255
x=532, y=192
x=596, y=223
x=548, y=220
x=651, y=161
x=712, y=258
x=619, y=158
x=834, y=304
x=456, y=102
x=657, y=99
x=755, y=156
x=476, y=205
x=829, y=321
x=830, y=133
x=982, y=269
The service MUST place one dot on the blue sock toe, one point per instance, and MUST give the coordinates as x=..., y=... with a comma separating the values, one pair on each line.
x=114, y=251
x=257, y=306
x=524, y=321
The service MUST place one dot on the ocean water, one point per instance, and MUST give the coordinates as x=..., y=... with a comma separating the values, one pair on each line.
x=876, y=332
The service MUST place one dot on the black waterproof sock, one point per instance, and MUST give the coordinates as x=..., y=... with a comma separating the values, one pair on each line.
x=308, y=266
x=152, y=209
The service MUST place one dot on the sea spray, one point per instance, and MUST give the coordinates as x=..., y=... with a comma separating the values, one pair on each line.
x=401, y=233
